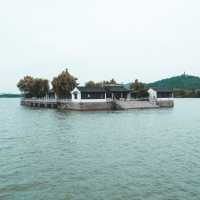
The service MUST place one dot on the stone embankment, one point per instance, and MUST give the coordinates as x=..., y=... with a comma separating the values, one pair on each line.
x=89, y=106
x=40, y=103
x=134, y=104
x=83, y=106
x=165, y=103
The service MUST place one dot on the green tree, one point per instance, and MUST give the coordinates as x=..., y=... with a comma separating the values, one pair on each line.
x=100, y=84
x=112, y=81
x=137, y=86
x=25, y=85
x=139, y=89
x=63, y=84
x=197, y=92
x=33, y=87
x=40, y=87
x=90, y=84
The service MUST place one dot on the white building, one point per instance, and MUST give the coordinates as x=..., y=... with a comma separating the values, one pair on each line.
x=85, y=94
x=160, y=94
x=99, y=94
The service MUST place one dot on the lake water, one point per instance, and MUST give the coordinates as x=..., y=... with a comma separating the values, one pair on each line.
x=124, y=155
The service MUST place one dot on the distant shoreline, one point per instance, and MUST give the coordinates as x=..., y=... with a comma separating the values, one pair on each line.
x=10, y=95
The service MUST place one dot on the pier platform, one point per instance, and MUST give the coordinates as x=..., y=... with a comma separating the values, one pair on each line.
x=67, y=104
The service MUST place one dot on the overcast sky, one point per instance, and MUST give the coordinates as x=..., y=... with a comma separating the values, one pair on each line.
x=98, y=39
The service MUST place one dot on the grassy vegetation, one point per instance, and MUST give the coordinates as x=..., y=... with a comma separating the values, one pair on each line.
x=185, y=82
x=184, y=86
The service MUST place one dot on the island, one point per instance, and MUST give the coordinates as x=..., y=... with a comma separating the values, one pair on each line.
x=106, y=95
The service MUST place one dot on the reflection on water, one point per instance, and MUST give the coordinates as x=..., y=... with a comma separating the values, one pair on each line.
x=138, y=154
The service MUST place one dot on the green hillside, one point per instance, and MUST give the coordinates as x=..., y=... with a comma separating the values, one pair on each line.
x=183, y=82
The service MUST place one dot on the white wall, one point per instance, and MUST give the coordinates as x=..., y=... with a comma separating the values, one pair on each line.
x=77, y=91
x=152, y=95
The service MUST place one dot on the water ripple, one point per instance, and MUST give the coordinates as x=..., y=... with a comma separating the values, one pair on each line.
x=138, y=154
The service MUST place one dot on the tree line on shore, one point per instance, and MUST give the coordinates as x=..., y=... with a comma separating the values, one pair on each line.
x=64, y=83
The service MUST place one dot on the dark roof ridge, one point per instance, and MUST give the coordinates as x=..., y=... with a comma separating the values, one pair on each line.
x=161, y=89
x=91, y=89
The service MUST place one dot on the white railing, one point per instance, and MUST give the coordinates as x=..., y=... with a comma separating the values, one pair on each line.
x=46, y=100
x=63, y=100
x=53, y=100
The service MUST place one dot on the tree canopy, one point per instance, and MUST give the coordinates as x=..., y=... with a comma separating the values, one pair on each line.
x=90, y=84
x=40, y=87
x=25, y=85
x=33, y=87
x=139, y=89
x=63, y=84
x=184, y=81
x=112, y=81
x=100, y=84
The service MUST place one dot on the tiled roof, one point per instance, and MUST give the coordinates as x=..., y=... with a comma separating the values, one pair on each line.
x=107, y=88
x=162, y=90
x=117, y=88
x=91, y=89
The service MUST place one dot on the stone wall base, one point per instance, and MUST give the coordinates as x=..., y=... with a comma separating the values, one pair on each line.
x=86, y=106
x=112, y=105
x=165, y=103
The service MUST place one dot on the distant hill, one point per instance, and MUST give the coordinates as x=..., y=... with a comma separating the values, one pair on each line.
x=183, y=82
x=10, y=95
